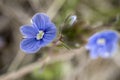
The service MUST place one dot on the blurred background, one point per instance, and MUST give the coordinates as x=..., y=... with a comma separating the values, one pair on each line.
x=55, y=62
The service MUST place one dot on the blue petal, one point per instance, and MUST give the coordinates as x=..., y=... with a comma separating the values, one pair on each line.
x=40, y=20
x=92, y=40
x=109, y=35
x=111, y=48
x=28, y=31
x=50, y=34
x=30, y=45
x=104, y=53
x=50, y=28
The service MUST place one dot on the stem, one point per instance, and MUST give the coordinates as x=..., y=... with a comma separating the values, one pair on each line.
x=65, y=45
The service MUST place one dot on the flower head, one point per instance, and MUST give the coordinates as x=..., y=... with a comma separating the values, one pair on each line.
x=103, y=44
x=40, y=33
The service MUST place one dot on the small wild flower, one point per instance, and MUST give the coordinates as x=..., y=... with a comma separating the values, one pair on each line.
x=103, y=44
x=40, y=33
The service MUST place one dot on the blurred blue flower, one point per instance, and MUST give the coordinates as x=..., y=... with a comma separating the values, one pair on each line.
x=103, y=44
x=40, y=33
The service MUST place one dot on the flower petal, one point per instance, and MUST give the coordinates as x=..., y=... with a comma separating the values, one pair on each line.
x=109, y=35
x=30, y=45
x=104, y=53
x=28, y=31
x=51, y=28
x=50, y=33
x=40, y=20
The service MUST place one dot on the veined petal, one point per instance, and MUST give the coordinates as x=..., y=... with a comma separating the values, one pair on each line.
x=51, y=28
x=28, y=31
x=30, y=45
x=50, y=33
x=49, y=37
x=40, y=20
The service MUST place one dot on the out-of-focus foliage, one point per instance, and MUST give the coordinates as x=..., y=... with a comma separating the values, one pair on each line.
x=67, y=9
x=49, y=72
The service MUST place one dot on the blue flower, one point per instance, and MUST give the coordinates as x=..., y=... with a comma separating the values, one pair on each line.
x=103, y=44
x=40, y=33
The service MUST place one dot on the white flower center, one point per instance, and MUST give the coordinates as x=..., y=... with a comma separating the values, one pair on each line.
x=101, y=41
x=106, y=54
x=40, y=35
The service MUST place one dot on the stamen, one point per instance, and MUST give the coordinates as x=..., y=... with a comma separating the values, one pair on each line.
x=40, y=35
x=101, y=41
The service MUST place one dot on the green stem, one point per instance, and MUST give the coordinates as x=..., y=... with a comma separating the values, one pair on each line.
x=65, y=45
